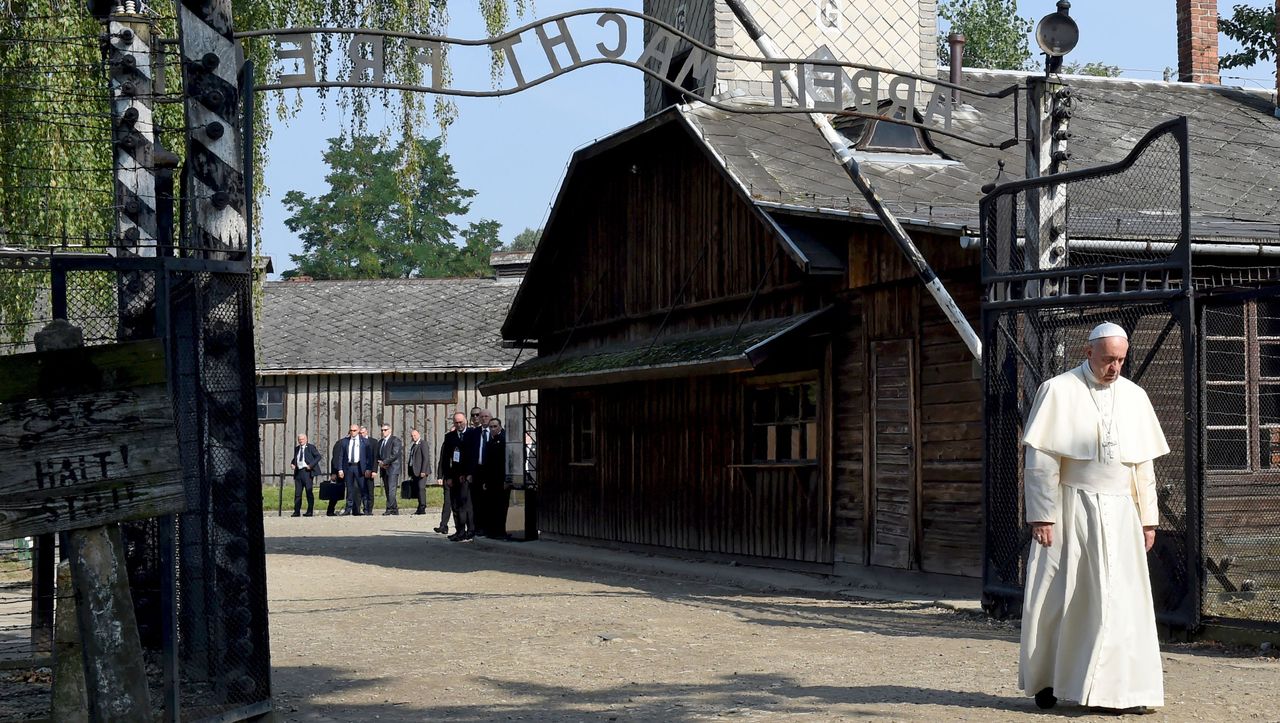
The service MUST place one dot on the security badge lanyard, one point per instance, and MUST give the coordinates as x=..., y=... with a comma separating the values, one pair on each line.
x=457, y=451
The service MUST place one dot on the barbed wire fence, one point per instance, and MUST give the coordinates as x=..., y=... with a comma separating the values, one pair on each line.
x=92, y=229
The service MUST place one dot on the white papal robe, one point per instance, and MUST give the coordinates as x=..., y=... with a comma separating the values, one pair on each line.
x=1088, y=623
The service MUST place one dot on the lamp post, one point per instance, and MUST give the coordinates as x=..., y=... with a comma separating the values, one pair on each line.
x=1057, y=35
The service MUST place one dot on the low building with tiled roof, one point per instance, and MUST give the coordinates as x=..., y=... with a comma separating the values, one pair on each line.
x=408, y=352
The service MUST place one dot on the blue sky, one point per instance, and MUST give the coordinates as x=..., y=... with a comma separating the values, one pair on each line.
x=513, y=150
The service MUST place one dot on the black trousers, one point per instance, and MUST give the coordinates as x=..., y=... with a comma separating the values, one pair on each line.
x=480, y=504
x=391, y=488
x=498, y=505
x=354, y=477
x=302, y=482
x=419, y=490
x=446, y=508
x=463, y=513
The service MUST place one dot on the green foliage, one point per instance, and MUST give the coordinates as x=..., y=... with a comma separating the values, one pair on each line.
x=1101, y=70
x=480, y=240
x=1255, y=30
x=376, y=223
x=526, y=240
x=56, y=182
x=55, y=127
x=995, y=35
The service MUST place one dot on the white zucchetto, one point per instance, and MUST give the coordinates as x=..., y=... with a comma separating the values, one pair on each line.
x=1106, y=329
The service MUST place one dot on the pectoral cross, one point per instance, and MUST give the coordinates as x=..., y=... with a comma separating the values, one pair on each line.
x=1109, y=446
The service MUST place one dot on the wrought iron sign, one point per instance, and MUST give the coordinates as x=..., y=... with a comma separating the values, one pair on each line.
x=825, y=83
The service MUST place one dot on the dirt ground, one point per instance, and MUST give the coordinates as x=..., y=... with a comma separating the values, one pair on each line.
x=376, y=618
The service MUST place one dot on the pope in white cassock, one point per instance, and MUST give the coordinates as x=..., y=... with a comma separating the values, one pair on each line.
x=1088, y=623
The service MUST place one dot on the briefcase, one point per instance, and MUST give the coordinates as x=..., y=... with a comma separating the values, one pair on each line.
x=408, y=490
x=332, y=490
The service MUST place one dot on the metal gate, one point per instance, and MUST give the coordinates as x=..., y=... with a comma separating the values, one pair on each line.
x=198, y=579
x=1061, y=254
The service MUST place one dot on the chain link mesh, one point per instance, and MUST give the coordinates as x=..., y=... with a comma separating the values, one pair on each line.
x=221, y=641
x=1204, y=344
x=1026, y=347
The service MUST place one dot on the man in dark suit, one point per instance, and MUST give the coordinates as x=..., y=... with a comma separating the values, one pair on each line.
x=457, y=463
x=481, y=491
x=305, y=459
x=419, y=467
x=492, y=473
x=366, y=482
x=335, y=466
x=357, y=459
x=390, y=457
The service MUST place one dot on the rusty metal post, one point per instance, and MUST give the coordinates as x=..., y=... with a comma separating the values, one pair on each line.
x=956, y=41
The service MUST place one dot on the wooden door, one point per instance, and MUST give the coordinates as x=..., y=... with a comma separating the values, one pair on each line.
x=893, y=497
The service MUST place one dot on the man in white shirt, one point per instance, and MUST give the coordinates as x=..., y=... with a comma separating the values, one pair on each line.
x=304, y=461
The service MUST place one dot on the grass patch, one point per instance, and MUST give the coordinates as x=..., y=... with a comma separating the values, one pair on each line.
x=271, y=498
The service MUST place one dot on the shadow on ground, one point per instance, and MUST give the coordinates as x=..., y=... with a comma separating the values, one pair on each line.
x=431, y=552
x=739, y=695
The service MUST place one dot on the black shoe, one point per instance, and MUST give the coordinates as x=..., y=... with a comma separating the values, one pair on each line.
x=1045, y=699
x=456, y=537
x=442, y=530
x=469, y=536
x=296, y=514
x=392, y=512
x=357, y=514
x=420, y=511
x=308, y=514
x=331, y=514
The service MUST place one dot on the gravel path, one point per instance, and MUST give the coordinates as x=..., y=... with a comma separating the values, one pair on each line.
x=378, y=619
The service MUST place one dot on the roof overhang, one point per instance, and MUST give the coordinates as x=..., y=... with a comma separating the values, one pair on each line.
x=723, y=350
x=335, y=371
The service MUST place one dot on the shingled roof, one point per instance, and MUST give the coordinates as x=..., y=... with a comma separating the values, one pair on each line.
x=385, y=325
x=780, y=160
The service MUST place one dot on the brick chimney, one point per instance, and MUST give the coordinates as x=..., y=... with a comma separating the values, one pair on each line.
x=1198, y=41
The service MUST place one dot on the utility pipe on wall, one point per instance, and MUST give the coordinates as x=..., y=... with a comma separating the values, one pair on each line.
x=840, y=148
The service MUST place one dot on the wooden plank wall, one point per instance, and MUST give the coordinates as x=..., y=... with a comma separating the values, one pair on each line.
x=323, y=407
x=849, y=365
x=664, y=475
x=951, y=436
x=624, y=258
x=950, y=412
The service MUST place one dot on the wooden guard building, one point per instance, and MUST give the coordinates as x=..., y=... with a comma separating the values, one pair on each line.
x=405, y=352
x=734, y=358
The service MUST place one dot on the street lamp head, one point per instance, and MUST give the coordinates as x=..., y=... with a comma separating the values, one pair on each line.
x=1057, y=34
